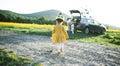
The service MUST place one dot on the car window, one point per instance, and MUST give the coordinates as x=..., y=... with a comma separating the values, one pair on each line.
x=84, y=20
x=91, y=21
x=96, y=22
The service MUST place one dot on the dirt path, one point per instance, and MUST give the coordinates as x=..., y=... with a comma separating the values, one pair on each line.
x=37, y=48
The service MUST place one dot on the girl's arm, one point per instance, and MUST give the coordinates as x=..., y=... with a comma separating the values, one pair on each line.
x=65, y=33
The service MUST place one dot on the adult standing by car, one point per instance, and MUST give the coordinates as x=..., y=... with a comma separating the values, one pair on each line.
x=69, y=24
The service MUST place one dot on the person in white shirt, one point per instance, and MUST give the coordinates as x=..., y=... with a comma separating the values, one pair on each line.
x=69, y=23
x=72, y=28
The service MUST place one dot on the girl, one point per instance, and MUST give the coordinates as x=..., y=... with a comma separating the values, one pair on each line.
x=59, y=35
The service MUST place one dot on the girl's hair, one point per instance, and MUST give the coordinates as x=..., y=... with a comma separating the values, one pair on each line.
x=59, y=20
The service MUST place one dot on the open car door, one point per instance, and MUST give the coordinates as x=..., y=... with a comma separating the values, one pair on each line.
x=76, y=14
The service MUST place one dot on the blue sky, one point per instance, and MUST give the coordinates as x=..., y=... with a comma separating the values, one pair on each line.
x=105, y=11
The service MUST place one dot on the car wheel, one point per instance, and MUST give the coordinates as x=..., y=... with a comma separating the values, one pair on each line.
x=86, y=30
x=103, y=31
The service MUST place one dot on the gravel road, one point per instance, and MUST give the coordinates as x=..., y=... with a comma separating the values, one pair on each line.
x=36, y=47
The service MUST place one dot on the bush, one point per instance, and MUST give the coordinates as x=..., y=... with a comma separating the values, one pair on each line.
x=115, y=41
x=9, y=59
x=117, y=37
x=113, y=38
x=109, y=36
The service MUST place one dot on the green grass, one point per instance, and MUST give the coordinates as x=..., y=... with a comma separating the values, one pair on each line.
x=113, y=38
x=109, y=38
x=38, y=31
x=7, y=58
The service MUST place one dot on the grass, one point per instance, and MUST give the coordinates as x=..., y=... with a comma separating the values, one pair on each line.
x=27, y=28
x=111, y=37
x=7, y=58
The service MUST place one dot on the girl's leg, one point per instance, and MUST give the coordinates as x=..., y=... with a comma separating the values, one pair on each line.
x=58, y=46
x=62, y=47
x=53, y=47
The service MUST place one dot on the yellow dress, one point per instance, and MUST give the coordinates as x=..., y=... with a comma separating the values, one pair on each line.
x=59, y=35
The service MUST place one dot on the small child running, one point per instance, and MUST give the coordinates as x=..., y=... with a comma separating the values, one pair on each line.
x=59, y=35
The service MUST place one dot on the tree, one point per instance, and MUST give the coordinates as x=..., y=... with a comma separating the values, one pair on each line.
x=2, y=17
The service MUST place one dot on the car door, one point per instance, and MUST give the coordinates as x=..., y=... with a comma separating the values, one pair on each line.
x=76, y=15
x=97, y=27
x=92, y=26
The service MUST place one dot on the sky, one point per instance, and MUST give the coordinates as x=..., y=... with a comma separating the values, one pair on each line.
x=104, y=11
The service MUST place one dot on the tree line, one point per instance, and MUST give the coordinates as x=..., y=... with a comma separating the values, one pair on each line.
x=7, y=16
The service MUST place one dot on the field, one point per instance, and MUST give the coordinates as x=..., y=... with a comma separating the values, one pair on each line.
x=111, y=37
x=86, y=43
